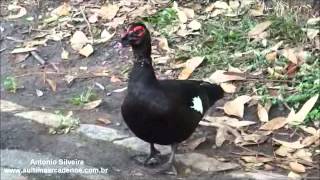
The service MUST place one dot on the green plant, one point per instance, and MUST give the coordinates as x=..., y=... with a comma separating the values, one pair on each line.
x=10, y=84
x=85, y=97
x=286, y=28
x=66, y=123
x=163, y=18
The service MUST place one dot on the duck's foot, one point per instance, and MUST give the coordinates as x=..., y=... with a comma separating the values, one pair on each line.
x=146, y=160
x=167, y=169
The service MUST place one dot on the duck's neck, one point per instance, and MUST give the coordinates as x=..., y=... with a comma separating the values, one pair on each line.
x=142, y=70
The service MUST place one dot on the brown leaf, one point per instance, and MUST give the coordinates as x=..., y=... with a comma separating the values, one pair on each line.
x=290, y=55
x=181, y=15
x=255, y=138
x=255, y=159
x=275, y=123
x=310, y=130
x=293, y=175
x=108, y=12
x=310, y=140
x=115, y=79
x=64, y=54
x=262, y=113
x=284, y=151
x=63, y=10
x=303, y=154
x=232, y=122
x=222, y=135
x=193, y=144
x=163, y=44
x=21, y=11
x=78, y=40
x=271, y=57
x=296, y=167
x=219, y=77
x=23, y=50
x=104, y=121
x=299, y=117
x=293, y=145
x=188, y=12
x=87, y=50
x=194, y=25
x=52, y=84
x=228, y=87
x=18, y=58
x=92, y=104
x=259, y=28
x=191, y=65
x=236, y=106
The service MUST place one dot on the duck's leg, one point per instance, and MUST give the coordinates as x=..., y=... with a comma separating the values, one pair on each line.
x=153, y=153
x=168, y=167
x=150, y=160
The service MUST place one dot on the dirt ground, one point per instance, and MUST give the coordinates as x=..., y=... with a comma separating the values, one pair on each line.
x=30, y=136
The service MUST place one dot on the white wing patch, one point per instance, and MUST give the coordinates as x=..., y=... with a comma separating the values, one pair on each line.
x=197, y=104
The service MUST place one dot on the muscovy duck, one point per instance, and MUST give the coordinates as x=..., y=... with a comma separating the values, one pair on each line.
x=164, y=112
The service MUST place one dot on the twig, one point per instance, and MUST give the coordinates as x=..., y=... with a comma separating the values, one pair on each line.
x=3, y=49
x=37, y=73
x=82, y=9
x=38, y=57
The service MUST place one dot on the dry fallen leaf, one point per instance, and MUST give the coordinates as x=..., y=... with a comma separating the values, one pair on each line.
x=22, y=11
x=259, y=28
x=255, y=138
x=163, y=44
x=63, y=10
x=275, y=123
x=78, y=40
x=232, y=122
x=296, y=167
x=188, y=12
x=255, y=159
x=299, y=117
x=221, y=136
x=236, y=106
x=64, y=54
x=39, y=93
x=191, y=65
x=52, y=84
x=18, y=58
x=92, y=104
x=219, y=77
x=262, y=113
x=228, y=87
x=181, y=15
x=221, y=5
x=23, y=50
x=271, y=57
x=87, y=50
x=104, y=121
x=312, y=33
x=108, y=12
x=114, y=79
x=310, y=130
x=310, y=139
x=303, y=154
x=293, y=145
x=194, y=25
x=284, y=151
x=290, y=55
x=293, y=175
x=93, y=18
x=193, y=144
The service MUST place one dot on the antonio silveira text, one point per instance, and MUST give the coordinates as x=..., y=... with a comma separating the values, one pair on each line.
x=41, y=162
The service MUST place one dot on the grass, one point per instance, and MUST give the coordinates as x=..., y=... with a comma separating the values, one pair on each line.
x=84, y=97
x=10, y=84
x=225, y=42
